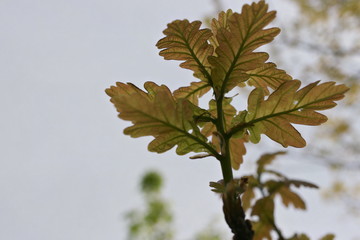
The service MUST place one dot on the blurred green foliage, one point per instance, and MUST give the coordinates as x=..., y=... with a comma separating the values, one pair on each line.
x=155, y=221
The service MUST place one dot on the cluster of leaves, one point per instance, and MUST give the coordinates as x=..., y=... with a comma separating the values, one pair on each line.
x=258, y=196
x=223, y=58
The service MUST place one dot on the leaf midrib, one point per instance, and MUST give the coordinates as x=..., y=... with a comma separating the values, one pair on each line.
x=241, y=126
x=208, y=147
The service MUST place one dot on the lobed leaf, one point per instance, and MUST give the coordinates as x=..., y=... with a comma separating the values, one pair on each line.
x=286, y=105
x=282, y=188
x=300, y=237
x=237, y=144
x=221, y=22
x=300, y=183
x=249, y=194
x=228, y=111
x=289, y=197
x=157, y=113
x=237, y=151
x=238, y=35
x=266, y=76
x=193, y=92
x=261, y=231
x=186, y=41
x=328, y=237
x=264, y=209
x=266, y=159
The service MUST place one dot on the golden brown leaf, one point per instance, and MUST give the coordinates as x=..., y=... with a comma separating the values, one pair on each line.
x=264, y=209
x=266, y=76
x=286, y=105
x=193, y=92
x=186, y=41
x=238, y=36
x=221, y=22
x=157, y=113
x=237, y=151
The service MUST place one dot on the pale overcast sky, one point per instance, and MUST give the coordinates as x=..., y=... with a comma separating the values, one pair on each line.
x=66, y=170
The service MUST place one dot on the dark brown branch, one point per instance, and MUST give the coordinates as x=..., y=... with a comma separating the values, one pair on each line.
x=235, y=215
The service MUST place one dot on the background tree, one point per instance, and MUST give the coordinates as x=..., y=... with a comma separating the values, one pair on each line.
x=325, y=37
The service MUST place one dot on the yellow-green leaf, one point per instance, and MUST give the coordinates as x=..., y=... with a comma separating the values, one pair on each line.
x=266, y=76
x=238, y=35
x=328, y=237
x=157, y=113
x=300, y=237
x=193, y=92
x=262, y=231
x=237, y=151
x=186, y=41
x=282, y=188
x=249, y=194
x=228, y=111
x=221, y=22
x=300, y=183
x=266, y=159
x=286, y=105
x=264, y=209
x=289, y=197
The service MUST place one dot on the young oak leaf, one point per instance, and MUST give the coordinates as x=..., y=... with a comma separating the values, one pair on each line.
x=266, y=159
x=237, y=150
x=193, y=92
x=228, y=111
x=289, y=197
x=299, y=237
x=249, y=194
x=286, y=105
x=264, y=209
x=243, y=34
x=300, y=183
x=328, y=237
x=186, y=41
x=157, y=113
x=283, y=189
x=221, y=22
x=266, y=76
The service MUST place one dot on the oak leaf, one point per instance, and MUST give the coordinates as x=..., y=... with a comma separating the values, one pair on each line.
x=238, y=35
x=228, y=111
x=186, y=41
x=221, y=22
x=300, y=237
x=267, y=75
x=249, y=194
x=286, y=105
x=282, y=188
x=266, y=159
x=264, y=209
x=328, y=237
x=193, y=92
x=157, y=113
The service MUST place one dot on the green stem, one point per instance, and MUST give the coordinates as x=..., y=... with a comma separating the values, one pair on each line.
x=224, y=141
x=226, y=164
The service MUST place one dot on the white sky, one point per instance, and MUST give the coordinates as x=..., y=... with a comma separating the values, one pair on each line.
x=66, y=169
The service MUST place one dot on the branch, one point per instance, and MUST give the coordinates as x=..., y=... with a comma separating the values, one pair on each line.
x=235, y=216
